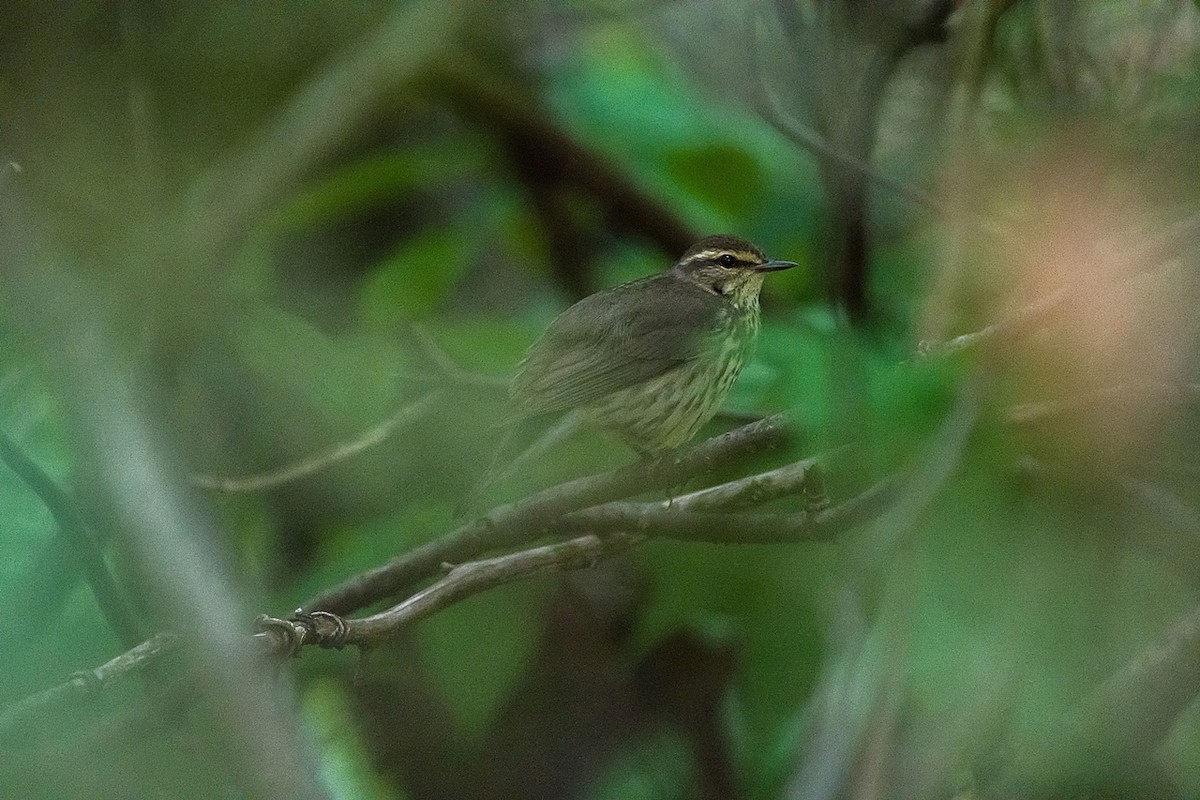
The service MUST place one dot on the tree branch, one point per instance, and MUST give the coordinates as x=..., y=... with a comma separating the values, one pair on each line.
x=849, y=58
x=755, y=489
x=286, y=637
x=544, y=151
x=689, y=517
x=523, y=521
x=447, y=372
x=610, y=528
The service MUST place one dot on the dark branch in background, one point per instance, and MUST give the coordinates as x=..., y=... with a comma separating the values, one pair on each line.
x=321, y=117
x=548, y=159
x=848, y=188
x=769, y=108
x=527, y=519
x=79, y=540
x=849, y=123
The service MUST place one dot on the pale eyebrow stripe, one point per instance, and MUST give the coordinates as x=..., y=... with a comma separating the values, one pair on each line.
x=740, y=255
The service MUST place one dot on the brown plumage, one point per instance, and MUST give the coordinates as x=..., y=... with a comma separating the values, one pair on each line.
x=653, y=359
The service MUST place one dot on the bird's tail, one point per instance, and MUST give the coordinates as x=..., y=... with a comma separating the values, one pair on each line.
x=524, y=440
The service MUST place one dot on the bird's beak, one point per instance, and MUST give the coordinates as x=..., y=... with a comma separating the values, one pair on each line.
x=775, y=266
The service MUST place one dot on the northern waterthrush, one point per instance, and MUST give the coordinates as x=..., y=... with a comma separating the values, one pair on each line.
x=651, y=360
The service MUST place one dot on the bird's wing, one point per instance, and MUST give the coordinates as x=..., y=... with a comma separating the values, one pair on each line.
x=605, y=343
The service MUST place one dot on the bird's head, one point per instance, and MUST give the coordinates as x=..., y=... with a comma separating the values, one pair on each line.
x=728, y=267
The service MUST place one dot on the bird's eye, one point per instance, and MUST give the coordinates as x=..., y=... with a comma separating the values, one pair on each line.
x=727, y=260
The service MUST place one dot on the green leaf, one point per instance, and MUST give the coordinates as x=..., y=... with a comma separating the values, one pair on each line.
x=490, y=347
x=764, y=599
x=477, y=649
x=355, y=548
x=416, y=279
x=723, y=175
x=350, y=379
x=659, y=769
x=345, y=767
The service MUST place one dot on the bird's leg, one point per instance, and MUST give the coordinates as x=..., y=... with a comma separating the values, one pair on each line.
x=814, y=495
x=659, y=455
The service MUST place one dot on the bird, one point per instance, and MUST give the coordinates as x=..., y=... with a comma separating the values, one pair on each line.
x=651, y=360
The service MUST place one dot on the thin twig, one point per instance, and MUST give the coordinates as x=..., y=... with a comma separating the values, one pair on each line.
x=447, y=372
x=772, y=111
x=19, y=715
x=768, y=105
x=1147, y=257
x=1121, y=393
x=339, y=452
x=652, y=520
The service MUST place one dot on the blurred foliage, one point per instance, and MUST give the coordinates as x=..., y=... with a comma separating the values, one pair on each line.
x=417, y=253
